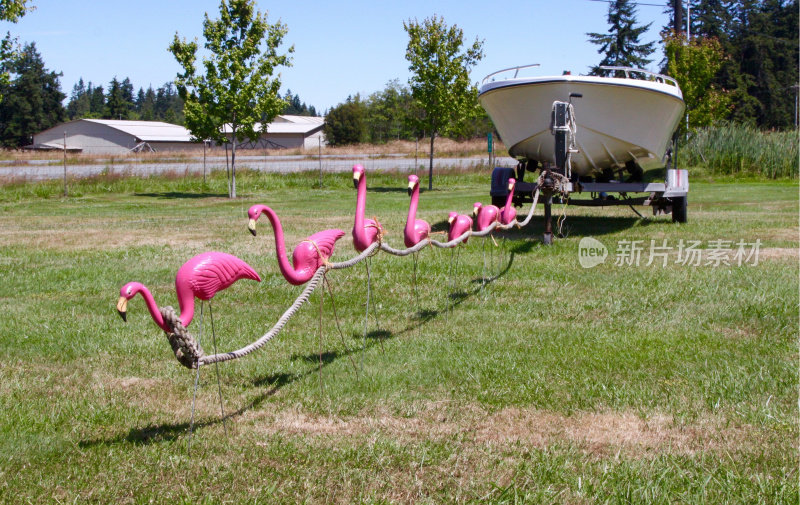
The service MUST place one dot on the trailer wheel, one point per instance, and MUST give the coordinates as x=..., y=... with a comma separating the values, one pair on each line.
x=679, y=208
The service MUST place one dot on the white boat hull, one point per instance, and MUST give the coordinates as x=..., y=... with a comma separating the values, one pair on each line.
x=618, y=120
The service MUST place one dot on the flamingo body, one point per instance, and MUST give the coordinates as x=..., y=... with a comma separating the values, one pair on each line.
x=485, y=215
x=203, y=276
x=309, y=254
x=365, y=231
x=416, y=230
x=459, y=225
x=509, y=213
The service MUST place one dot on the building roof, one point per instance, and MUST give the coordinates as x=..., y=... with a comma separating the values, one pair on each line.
x=288, y=124
x=148, y=131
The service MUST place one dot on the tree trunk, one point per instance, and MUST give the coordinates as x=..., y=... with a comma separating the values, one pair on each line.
x=233, y=163
x=430, y=167
x=677, y=16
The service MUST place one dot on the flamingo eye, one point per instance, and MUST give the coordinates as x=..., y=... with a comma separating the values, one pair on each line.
x=128, y=290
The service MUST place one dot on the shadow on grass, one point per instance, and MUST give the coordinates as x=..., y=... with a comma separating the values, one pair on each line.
x=182, y=195
x=169, y=432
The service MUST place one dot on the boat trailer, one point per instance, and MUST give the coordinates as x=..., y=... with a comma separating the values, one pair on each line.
x=556, y=181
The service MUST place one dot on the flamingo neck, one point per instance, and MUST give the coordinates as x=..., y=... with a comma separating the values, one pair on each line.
x=361, y=202
x=509, y=199
x=153, y=308
x=288, y=271
x=412, y=211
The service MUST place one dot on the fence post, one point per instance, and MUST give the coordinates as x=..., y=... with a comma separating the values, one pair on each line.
x=65, y=163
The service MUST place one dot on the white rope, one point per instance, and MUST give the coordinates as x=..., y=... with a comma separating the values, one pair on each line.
x=369, y=251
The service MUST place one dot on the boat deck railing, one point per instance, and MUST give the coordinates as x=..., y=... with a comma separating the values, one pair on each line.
x=646, y=75
x=509, y=69
x=628, y=72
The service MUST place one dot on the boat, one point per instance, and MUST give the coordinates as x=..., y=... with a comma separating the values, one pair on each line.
x=621, y=119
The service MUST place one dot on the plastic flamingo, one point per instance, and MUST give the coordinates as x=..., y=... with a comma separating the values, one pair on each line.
x=365, y=231
x=509, y=213
x=309, y=254
x=485, y=215
x=201, y=277
x=416, y=230
x=459, y=225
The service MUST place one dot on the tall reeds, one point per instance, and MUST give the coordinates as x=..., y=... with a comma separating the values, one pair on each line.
x=737, y=149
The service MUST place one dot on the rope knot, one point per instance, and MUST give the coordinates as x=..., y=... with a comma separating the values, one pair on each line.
x=187, y=350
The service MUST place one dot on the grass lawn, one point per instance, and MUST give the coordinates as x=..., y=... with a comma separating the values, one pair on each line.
x=551, y=384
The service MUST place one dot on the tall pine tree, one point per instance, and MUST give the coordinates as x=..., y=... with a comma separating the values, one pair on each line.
x=620, y=45
x=31, y=101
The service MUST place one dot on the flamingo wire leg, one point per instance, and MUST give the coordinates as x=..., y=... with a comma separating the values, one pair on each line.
x=196, y=383
x=416, y=294
x=338, y=327
x=216, y=367
x=319, y=364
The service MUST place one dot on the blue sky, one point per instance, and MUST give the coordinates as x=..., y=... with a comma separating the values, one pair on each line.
x=341, y=47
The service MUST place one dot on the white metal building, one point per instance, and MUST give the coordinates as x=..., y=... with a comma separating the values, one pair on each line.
x=287, y=131
x=112, y=136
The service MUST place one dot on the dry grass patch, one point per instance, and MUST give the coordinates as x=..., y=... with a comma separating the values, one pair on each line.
x=597, y=433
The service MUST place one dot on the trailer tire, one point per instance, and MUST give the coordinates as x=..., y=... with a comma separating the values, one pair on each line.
x=679, y=209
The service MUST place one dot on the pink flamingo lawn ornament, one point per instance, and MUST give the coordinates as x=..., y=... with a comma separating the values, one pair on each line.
x=365, y=231
x=485, y=215
x=459, y=225
x=416, y=230
x=508, y=214
x=202, y=277
x=307, y=257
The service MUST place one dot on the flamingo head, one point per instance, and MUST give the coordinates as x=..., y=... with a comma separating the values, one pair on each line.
x=127, y=292
x=358, y=172
x=254, y=213
x=413, y=181
x=452, y=217
x=511, y=183
x=476, y=208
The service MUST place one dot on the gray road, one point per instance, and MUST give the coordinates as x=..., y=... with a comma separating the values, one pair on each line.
x=41, y=170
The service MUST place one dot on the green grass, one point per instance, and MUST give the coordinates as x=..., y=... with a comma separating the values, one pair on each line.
x=554, y=384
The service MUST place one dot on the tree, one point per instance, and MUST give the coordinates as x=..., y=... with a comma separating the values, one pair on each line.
x=620, y=44
x=440, y=83
x=10, y=10
x=345, y=123
x=237, y=89
x=694, y=64
x=118, y=105
x=78, y=105
x=32, y=100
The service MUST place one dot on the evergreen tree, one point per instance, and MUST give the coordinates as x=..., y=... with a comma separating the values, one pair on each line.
x=32, y=101
x=97, y=101
x=147, y=109
x=620, y=45
x=78, y=105
x=117, y=104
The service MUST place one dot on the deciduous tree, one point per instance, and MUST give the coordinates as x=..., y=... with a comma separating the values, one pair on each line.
x=440, y=85
x=237, y=87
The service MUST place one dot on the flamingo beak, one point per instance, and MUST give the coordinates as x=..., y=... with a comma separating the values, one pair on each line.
x=474, y=211
x=122, y=308
x=451, y=219
x=252, y=226
x=410, y=188
x=356, y=177
x=510, y=186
